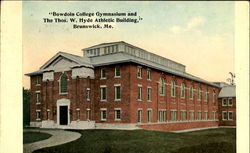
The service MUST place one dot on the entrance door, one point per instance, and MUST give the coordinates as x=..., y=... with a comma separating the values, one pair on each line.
x=63, y=115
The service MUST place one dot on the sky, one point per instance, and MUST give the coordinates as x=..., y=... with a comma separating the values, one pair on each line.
x=199, y=35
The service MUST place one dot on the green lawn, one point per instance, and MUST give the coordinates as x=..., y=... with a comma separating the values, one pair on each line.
x=142, y=141
x=29, y=137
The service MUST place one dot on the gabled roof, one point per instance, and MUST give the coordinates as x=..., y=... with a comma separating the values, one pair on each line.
x=228, y=91
x=81, y=61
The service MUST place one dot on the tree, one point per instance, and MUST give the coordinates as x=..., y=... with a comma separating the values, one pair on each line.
x=26, y=107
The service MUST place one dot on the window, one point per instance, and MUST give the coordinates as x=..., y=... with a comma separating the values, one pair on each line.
x=199, y=94
x=162, y=87
x=117, y=71
x=199, y=116
x=139, y=92
x=173, y=116
x=173, y=89
x=103, y=114
x=38, y=80
x=230, y=102
x=230, y=115
x=224, y=115
x=38, y=98
x=149, y=94
x=139, y=73
x=88, y=94
x=191, y=93
x=64, y=84
x=205, y=95
x=214, y=115
x=206, y=115
x=191, y=116
x=183, y=115
x=118, y=114
x=224, y=102
x=162, y=116
x=103, y=74
x=78, y=114
x=88, y=114
x=38, y=114
x=149, y=115
x=118, y=92
x=103, y=93
x=48, y=114
x=214, y=96
x=182, y=90
x=149, y=74
x=139, y=116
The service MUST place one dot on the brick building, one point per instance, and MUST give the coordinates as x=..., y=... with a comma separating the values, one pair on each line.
x=118, y=85
x=227, y=105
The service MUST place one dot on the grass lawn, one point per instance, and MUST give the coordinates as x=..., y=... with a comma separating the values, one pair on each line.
x=29, y=137
x=222, y=140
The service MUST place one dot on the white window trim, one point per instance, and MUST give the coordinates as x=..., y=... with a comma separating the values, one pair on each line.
x=228, y=101
x=192, y=111
x=181, y=114
x=103, y=86
x=139, y=67
x=214, y=115
x=139, y=109
x=63, y=93
x=38, y=110
x=223, y=115
x=149, y=79
x=116, y=119
x=48, y=111
x=199, y=112
x=118, y=85
x=232, y=115
x=149, y=100
x=103, y=78
x=104, y=109
x=223, y=101
x=183, y=97
x=78, y=110
x=206, y=112
x=150, y=109
x=173, y=110
x=173, y=94
x=88, y=98
x=38, y=84
x=38, y=102
x=87, y=117
x=115, y=73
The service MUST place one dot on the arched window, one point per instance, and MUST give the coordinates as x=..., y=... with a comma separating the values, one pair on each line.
x=191, y=92
x=64, y=84
x=199, y=94
x=162, y=86
x=205, y=95
x=173, y=91
x=214, y=96
x=182, y=90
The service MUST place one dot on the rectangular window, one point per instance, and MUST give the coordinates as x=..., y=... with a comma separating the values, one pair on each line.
x=199, y=115
x=199, y=94
x=139, y=93
x=206, y=115
x=230, y=102
x=214, y=96
x=191, y=116
x=117, y=71
x=214, y=115
x=38, y=80
x=117, y=114
x=38, y=114
x=162, y=116
x=149, y=74
x=117, y=92
x=88, y=94
x=78, y=114
x=48, y=114
x=139, y=72
x=103, y=114
x=149, y=94
x=230, y=115
x=88, y=114
x=103, y=93
x=224, y=102
x=38, y=98
x=173, y=115
x=183, y=115
x=224, y=115
x=103, y=74
x=139, y=116
x=205, y=95
x=149, y=115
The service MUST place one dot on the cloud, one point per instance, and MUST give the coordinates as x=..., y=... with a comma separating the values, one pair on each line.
x=191, y=25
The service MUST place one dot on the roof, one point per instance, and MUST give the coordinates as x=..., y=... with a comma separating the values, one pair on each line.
x=228, y=91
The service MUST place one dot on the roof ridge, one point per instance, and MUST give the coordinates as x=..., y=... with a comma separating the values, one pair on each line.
x=69, y=54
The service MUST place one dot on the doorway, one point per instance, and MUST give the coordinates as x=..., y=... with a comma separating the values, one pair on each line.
x=63, y=115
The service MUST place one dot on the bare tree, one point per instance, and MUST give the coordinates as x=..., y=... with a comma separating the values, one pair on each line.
x=231, y=80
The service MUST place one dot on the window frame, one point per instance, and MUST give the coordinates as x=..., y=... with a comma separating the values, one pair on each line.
x=173, y=88
x=116, y=110
x=102, y=115
x=149, y=75
x=183, y=91
x=149, y=94
x=230, y=112
x=38, y=98
x=139, y=119
x=139, y=72
x=78, y=114
x=228, y=102
x=214, y=96
x=116, y=86
x=38, y=115
x=38, y=80
x=224, y=116
x=173, y=115
x=88, y=94
x=102, y=95
x=118, y=76
x=60, y=84
x=149, y=115
x=191, y=92
x=103, y=74
x=162, y=115
x=191, y=118
x=199, y=94
x=139, y=92
x=88, y=114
